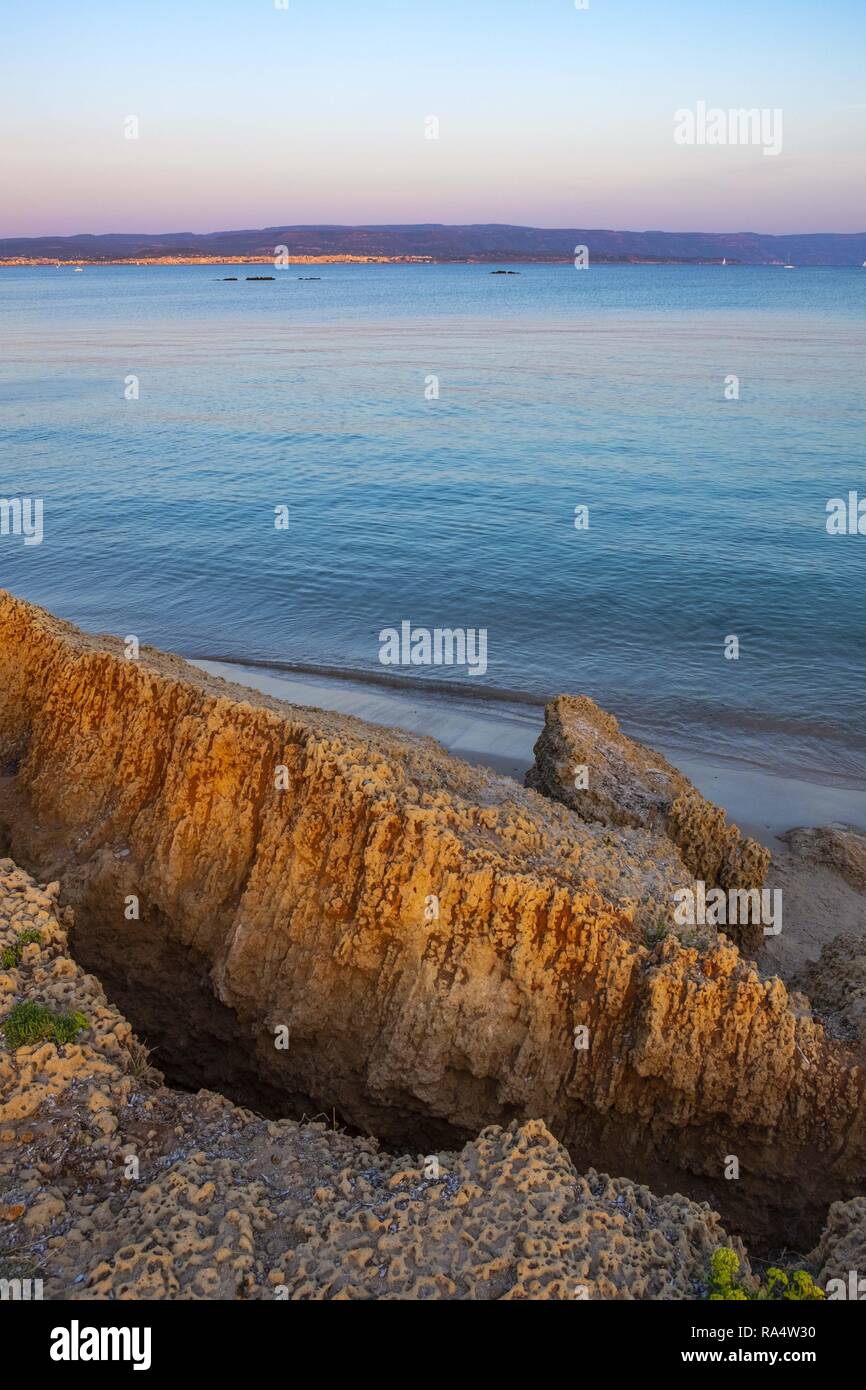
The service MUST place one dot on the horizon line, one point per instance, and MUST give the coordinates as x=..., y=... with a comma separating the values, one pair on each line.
x=409, y=226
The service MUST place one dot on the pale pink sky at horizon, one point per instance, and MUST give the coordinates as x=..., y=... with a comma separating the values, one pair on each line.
x=549, y=116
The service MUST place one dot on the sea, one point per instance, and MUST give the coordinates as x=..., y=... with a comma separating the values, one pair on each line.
x=620, y=475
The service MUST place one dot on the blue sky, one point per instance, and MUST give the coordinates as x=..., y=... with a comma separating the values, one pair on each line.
x=251, y=116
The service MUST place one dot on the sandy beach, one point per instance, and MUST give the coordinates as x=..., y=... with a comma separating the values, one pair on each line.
x=501, y=736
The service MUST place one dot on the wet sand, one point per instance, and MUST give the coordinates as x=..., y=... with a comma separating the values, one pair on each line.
x=501, y=736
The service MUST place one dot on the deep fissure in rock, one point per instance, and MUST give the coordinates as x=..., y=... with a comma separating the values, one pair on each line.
x=197, y=1042
x=166, y=992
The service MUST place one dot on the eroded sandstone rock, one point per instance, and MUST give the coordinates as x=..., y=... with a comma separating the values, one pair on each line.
x=429, y=936
x=630, y=784
x=113, y=1186
x=841, y=1252
x=837, y=847
x=836, y=985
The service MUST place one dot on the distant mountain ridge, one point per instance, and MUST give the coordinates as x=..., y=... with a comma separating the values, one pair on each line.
x=438, y=242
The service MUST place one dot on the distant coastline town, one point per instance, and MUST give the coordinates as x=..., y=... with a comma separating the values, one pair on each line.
x=211, y=260
x=435, y=244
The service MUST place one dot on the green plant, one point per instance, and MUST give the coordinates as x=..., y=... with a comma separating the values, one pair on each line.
x=12, y=954
x=137, y=1061
x=801, y=1287
x=656, y=932
x=725, y=1285
x=724, y=1268
x=30, y=1023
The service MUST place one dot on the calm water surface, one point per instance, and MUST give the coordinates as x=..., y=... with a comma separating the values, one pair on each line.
x=557, y=388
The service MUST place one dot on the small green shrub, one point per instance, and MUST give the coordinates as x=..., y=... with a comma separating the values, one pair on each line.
x=33, y=1023
x=801, y=1287
x=656, y=932
x=725, y=1286
x=724, y=1268
x=11, y=956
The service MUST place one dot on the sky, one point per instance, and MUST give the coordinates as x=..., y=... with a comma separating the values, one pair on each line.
x=250, y=115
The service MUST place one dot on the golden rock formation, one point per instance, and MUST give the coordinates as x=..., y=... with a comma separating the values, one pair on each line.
x=443, y=949
x=114, y=1186
x=630, y=784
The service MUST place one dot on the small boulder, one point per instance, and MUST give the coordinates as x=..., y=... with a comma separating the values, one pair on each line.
x=837, y=847
x=628, y=784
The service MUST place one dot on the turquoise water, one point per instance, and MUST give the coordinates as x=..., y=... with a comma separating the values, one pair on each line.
x=557, y=388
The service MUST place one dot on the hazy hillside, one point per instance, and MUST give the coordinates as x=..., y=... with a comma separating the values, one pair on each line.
x=443, y=243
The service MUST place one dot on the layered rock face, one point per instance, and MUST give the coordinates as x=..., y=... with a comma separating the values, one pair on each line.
x=114, y=1186
x=629, y=784
x=438, y=948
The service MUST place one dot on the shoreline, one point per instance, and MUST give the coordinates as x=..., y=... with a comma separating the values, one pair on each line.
x=416, y=924
x=208, y=262
x=52, y=262
x=500, y=734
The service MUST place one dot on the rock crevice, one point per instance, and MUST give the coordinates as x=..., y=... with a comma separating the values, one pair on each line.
x=429, y=934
